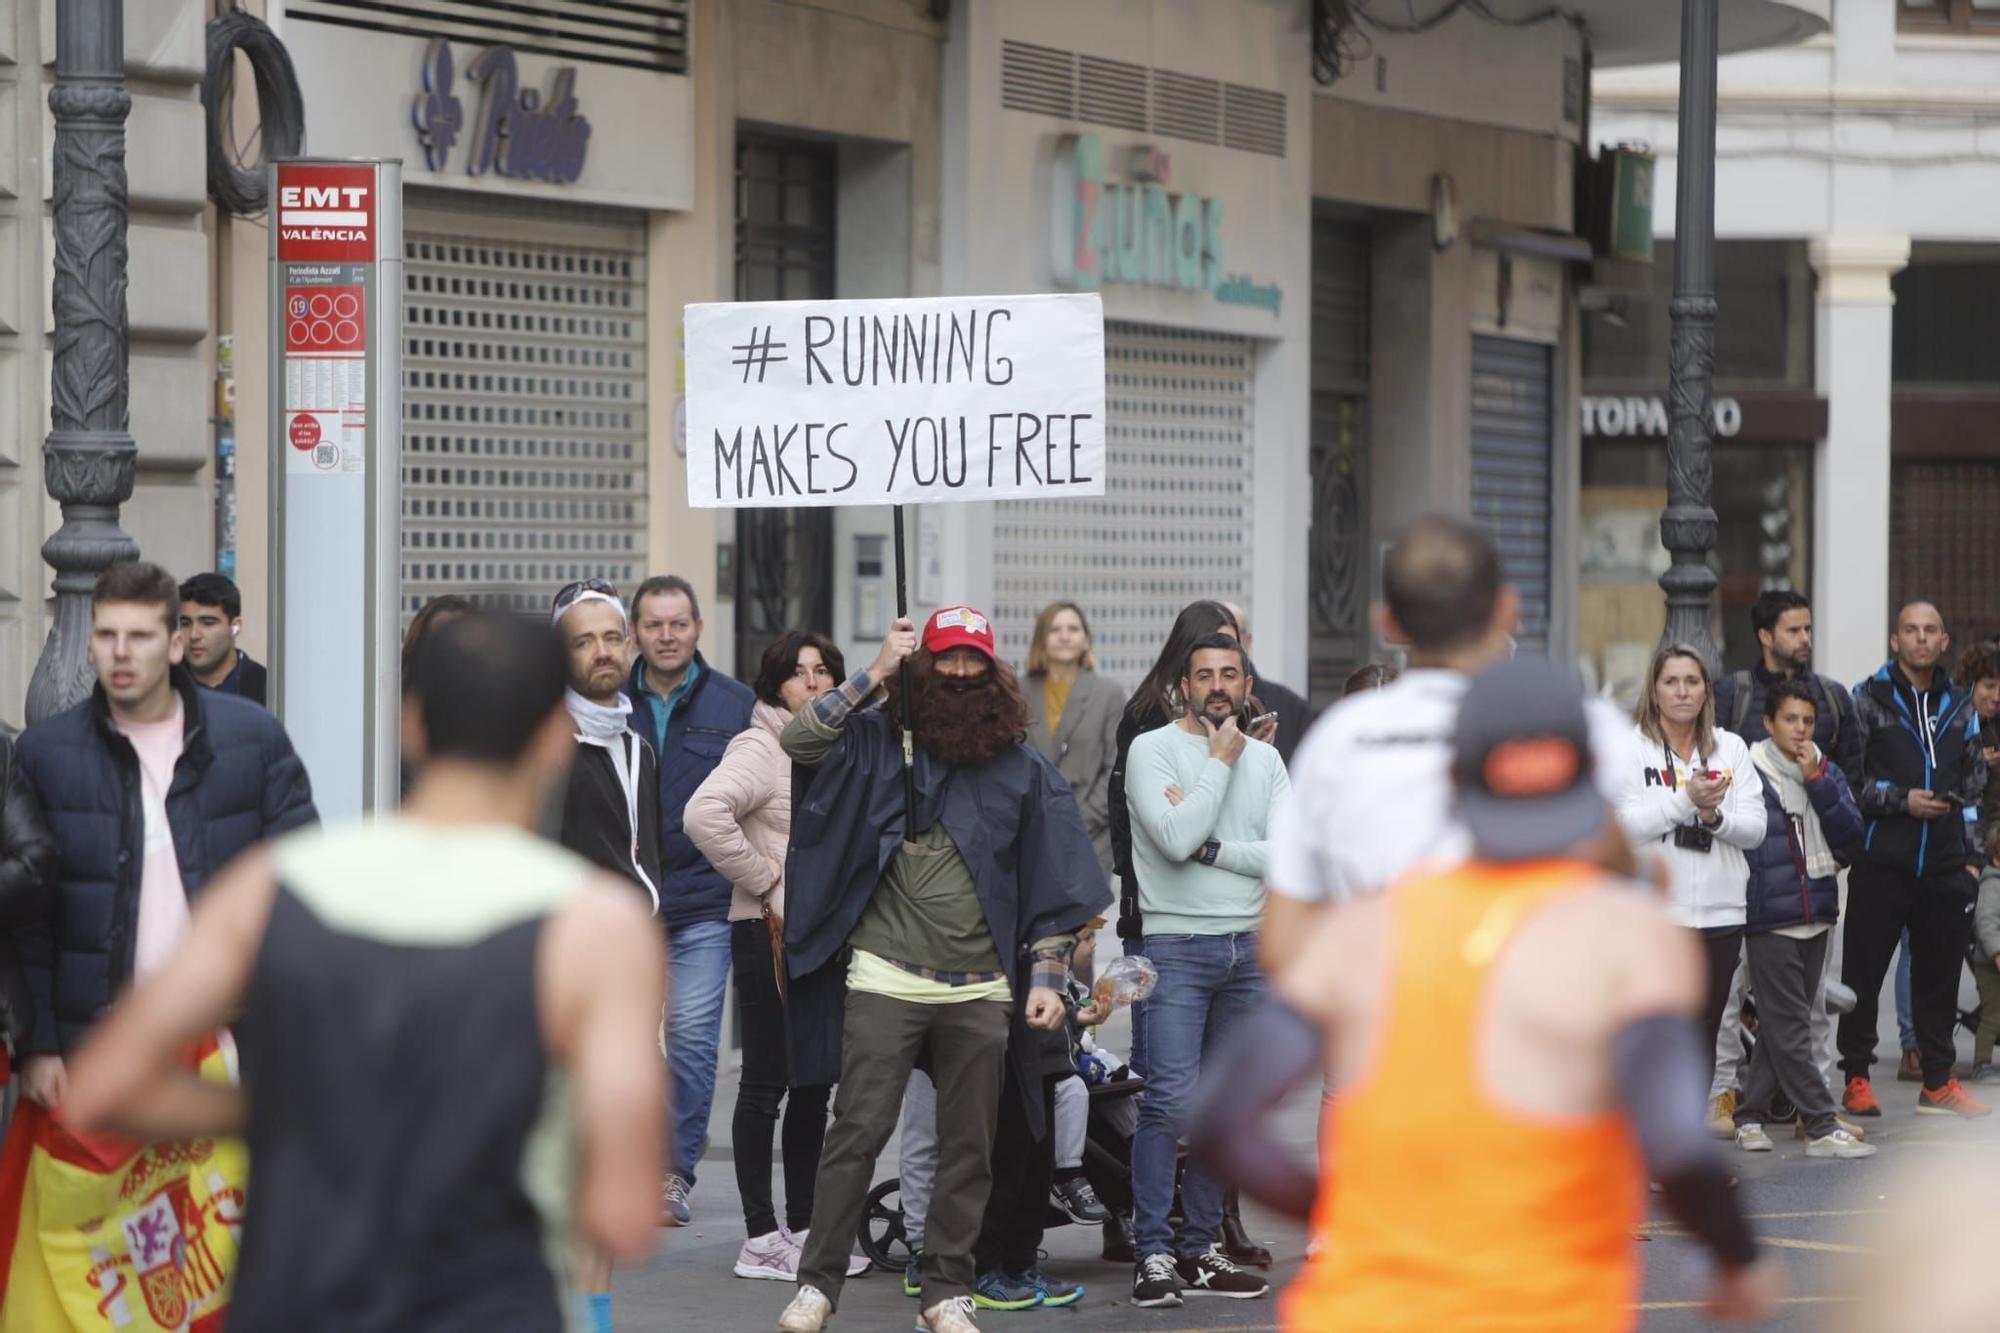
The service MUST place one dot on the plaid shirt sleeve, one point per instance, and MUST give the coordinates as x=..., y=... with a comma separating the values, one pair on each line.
x=832, y=709
x=1051, y=962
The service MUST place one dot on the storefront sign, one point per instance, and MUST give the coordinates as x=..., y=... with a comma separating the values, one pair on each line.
x=1609, y=417
x=895, y=401
x=1137, y=232
x=518, y=134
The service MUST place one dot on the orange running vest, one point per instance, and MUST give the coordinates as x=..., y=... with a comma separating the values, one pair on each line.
x=1446, y=1211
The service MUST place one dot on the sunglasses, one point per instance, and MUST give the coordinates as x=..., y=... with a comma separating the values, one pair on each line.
x=571, y=592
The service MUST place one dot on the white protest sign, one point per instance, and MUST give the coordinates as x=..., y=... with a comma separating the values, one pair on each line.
x=895, y=401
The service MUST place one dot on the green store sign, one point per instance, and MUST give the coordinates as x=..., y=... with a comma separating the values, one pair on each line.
x=1136, y=232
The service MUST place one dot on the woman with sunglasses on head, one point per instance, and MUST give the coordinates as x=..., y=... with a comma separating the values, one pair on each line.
x=740, y=818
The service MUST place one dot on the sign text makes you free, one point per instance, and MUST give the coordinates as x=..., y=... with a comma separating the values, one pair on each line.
x=894, y=401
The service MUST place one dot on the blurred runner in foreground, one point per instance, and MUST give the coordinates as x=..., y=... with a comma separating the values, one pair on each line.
x=447, y=1034
x=1512, y=1054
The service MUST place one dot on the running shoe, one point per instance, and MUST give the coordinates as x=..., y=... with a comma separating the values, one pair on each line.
x=1210, y=1274
x=1079, y=1202
x=1056, y=1293
x=772, y=1257
x=913, y=1275
x=1985, y=1075
x=1951, y=1099
x=807, y=1313
x=997, y=1291
x=674, y=1194
x=1156, y=1284
x=1839, y=1143
x=1860, y=1098
x=1752, y=1138
x=857, y=1264
x=952, y=1316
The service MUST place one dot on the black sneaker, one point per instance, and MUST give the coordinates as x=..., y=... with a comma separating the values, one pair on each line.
x=1155, y=1284
x=1209, y=1274
x=1079, y=1202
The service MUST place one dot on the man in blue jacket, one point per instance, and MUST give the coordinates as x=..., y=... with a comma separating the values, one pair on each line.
x=690, y=711
x=1918, y=783
x=151, y=786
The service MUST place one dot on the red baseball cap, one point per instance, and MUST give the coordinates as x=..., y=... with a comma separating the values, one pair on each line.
x=959, y=627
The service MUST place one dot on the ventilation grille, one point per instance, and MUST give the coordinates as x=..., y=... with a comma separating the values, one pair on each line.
x=1037, y=78
x=638, y=34
x=1111, y=92
x=1187, y=107
x=1045, y=81
x=1253, y=120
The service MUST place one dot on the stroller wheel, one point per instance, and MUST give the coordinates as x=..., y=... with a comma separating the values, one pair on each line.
x=881, y=1236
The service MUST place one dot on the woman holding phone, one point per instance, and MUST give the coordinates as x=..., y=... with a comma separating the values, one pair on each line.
x=1699, y=801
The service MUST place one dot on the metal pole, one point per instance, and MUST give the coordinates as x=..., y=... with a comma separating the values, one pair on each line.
x=1688, y=527
x=88, y=459
x=909, y=697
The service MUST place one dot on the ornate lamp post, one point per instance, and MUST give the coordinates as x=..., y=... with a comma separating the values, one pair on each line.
x=1688, y=527
x=88, y=459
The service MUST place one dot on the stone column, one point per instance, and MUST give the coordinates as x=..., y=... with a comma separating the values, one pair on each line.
x=1851, y=477
x=89, y=457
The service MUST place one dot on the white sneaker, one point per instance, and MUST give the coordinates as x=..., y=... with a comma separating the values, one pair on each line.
x=949, y=1316
x=1840, y=1143
x=1752, y=1138
x=772, y=1257
x=857, y=1264
x=807, y=1313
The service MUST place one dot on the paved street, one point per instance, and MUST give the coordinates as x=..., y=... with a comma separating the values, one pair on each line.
x=1820, y=1214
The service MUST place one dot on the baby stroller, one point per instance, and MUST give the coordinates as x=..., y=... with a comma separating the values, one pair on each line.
x=1107, y=1164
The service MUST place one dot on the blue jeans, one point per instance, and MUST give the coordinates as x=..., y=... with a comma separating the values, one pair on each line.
x=698, y=979
x=1208, y=984
x=1906, y=1023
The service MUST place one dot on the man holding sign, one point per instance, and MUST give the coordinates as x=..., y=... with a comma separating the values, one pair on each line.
x=951, y=910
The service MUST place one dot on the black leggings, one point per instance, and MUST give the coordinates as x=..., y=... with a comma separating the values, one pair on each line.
x=1010, y=1233
x=1723, y=946
x=762, y=1088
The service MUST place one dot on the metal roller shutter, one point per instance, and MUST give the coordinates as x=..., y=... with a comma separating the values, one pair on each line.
x=1175, y=520
x=1942, y=539
x=1512, y=428
x=524, y=392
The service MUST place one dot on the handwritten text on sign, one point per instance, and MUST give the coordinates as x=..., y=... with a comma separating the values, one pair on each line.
x=895, y=402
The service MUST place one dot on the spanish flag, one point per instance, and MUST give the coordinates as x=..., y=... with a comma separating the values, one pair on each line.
x=98, y=1232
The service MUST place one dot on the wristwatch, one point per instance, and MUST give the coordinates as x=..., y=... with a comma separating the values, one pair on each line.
x=1717, y=812
x=1208, y=852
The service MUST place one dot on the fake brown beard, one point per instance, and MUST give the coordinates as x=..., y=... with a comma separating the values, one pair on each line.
x=963, y=727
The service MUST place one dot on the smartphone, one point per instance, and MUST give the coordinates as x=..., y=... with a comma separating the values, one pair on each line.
x=1247, y=724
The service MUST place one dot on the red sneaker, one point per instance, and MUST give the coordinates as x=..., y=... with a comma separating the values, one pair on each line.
x=1951, y=1099
x=1860, y=1098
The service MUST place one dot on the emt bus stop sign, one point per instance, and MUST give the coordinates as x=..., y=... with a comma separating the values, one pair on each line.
x=336, y=472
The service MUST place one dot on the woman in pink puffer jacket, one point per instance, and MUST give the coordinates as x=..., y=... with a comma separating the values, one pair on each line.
x=741, y=820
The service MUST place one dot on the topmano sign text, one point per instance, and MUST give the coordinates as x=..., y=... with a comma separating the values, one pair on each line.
x=1607, y=416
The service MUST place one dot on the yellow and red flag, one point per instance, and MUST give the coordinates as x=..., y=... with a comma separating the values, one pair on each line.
x=98, y=1232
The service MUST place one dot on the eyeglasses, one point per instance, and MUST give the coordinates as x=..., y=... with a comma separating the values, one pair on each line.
x=571, y=592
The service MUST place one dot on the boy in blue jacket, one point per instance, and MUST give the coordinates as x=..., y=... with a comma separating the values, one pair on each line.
x=1792, y=901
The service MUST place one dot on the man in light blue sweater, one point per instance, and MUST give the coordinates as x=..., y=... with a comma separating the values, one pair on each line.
x=1201, y=795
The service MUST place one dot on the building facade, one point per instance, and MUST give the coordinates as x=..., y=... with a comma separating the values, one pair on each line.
x=1858, y=217
x=1339, y=253
x=167, y=298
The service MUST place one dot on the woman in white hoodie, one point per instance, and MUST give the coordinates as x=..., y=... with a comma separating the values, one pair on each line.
x=1698, y=800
